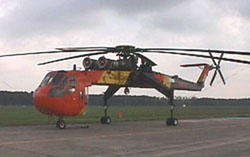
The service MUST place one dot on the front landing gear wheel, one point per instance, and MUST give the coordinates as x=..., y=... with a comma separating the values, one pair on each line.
x=106, y=120
x=172, y=122
x=61, y=124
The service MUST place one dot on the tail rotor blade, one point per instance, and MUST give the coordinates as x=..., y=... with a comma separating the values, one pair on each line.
x=220, y=59
x=212, y=57
x=217, y=68
x=212, y=81
x=223, y=80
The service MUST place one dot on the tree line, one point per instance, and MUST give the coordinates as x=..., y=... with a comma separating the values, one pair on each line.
x=25, y=98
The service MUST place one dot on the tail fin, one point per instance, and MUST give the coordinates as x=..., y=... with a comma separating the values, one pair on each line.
x=204, y=73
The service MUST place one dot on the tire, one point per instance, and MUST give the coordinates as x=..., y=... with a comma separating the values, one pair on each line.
x=108, y=120
x=169, y=122
x=61, y=124
x=103, y=120
x=172, y=122
x=175, y=122
x=57, y=123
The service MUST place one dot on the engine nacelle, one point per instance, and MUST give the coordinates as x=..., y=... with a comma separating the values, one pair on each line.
x=90, y=64
x=108, y=64
x=104, y=63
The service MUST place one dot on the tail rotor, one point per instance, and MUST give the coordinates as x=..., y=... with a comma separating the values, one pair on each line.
x=217, y=68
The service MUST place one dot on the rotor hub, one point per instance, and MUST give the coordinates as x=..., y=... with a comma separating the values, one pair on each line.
x=125, y=48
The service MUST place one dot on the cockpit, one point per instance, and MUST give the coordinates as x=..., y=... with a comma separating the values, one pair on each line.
x=52, y=78
x=61, y=83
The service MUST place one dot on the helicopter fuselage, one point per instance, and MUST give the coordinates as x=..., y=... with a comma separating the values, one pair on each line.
x=64, y=93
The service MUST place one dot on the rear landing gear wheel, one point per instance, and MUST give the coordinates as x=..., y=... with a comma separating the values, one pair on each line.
x=172, y=122
x=61, y=124
x=103, y=120
x=106, y=120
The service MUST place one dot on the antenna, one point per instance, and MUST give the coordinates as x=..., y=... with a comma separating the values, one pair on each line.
x=74, y=67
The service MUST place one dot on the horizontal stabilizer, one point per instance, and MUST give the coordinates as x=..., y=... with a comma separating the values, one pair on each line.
x=194, y=65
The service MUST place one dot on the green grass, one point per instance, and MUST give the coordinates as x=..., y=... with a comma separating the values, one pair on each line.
x=28, y=115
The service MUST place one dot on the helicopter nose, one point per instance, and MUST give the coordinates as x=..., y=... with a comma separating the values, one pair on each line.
x=49, y=100
x=40, y=99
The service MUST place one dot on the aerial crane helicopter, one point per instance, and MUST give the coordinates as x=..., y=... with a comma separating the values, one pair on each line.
x=63, y=93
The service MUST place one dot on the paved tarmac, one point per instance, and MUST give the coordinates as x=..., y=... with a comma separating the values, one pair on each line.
x=214, y=137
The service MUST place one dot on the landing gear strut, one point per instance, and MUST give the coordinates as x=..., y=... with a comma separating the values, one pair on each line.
x=105, y=119
x=172, y=121
x=60, y=123
x=108, y=94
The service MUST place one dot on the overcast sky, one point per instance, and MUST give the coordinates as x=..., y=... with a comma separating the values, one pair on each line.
x=27, y=25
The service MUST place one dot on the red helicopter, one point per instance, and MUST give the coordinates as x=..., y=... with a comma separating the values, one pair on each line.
x=63, y=93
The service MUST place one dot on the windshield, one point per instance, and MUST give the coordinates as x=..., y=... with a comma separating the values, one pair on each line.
x=52, y=79
x=46, y=79
x=57, y=79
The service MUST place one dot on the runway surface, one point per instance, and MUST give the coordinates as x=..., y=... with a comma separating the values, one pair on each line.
x=214, y=137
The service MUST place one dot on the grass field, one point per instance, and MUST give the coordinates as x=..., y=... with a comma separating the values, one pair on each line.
x=28, y=115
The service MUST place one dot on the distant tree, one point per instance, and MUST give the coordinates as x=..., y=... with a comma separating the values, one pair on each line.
x=25, y=98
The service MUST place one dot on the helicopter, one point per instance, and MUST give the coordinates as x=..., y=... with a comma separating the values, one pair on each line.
x=64, y=93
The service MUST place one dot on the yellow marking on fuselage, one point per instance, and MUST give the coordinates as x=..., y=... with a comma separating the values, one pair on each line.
x=83, y=111
x=167, y=82
x=114, y=77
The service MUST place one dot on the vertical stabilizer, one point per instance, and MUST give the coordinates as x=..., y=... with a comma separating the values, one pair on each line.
x=204, y=73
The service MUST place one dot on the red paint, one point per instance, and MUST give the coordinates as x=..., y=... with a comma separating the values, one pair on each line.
x=72, y=104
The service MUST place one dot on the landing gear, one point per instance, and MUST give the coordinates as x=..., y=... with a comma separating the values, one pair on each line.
x=106, y=119
x=61, y=124
x=172, y=121
x=108, y=94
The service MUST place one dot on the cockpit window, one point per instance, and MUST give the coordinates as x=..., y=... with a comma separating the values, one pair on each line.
x=57, y=79
x=52, y=79
x=47, y=79
x=69, y=84
x=72, y=80
x=64, y=83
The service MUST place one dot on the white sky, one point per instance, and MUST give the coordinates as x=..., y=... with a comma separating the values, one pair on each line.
x=44, y=25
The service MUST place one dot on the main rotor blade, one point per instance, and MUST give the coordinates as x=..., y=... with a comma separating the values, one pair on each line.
x=200, y=56
x=47, y=52
x=73, y=57
x=79, y=50
x=84, y=48
x=31, y=53
x=197, y=50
